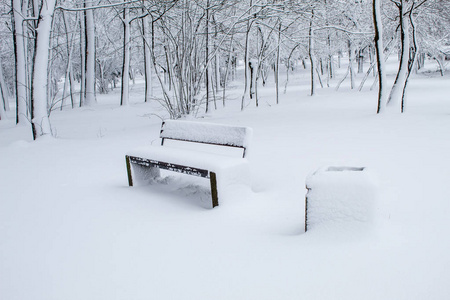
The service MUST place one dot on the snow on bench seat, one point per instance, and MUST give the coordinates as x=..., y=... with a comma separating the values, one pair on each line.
x=186, y=157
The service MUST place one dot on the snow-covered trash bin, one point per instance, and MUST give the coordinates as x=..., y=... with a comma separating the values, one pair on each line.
x=340, y=197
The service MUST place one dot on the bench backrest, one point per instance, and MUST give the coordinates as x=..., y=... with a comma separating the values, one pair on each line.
x=206, y=133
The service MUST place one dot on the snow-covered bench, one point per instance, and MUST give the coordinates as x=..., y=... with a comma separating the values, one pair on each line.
x=145, y=162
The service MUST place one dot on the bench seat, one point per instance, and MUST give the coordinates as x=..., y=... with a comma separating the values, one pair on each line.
x=186, y=157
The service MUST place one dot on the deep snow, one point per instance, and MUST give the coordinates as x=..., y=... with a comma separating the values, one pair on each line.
x=71, y=228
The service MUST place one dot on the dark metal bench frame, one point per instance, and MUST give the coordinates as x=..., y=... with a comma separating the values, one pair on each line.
x=150, y=163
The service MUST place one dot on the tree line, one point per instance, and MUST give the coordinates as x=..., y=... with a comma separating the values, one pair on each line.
x=192, y=49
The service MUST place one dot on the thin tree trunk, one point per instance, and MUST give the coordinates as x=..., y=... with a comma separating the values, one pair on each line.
x=227, y=70
x=440, y=64
x=361, y=61
x=124, y=100
x=50, y=79
x=2, y=108
x=350, y=65
x=217, y=58
x=399, y=83
x=20, y=56
x=68, y=82
x=252, y=65
x=343, y=78
x=4, y=105
x=288, y=67
x=412, y=56
x=90, y=58
x=207, y=57
x=378, y=27
x=246, y=60
x=147, y=59
x=213, y=89
x=83, y=59
x=372, y=61
x=4, y=94
x=277, y=65
x=318, y=77
x=329, y=62
x=311, y=52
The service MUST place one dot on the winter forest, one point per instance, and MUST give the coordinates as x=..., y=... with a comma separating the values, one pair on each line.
x=193, y=48
x=341, y=106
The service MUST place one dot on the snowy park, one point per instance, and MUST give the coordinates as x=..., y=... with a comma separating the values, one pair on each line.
x=326, y=125
x=71, y=228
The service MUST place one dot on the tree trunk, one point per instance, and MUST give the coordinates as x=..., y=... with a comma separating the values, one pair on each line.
x=40, y=121
x=277, y=65
x=147, y=59
x=2, y=109
x=83, y=60
x=4, y=95
x=399, y=83
x=378, y=27
x=207, y=57
x=311, y=52
x=329, y=61
x=90, y=58
x=252, y=65
x=246, y=60
x=439, y=60
x=216, y=58
x=360, y=61
x=350, y=65
x=124, y=100
x=68, y=82
x=227, y=70
x=20, y=57
x=372, y=61
x=50, y=78
x=412, y=56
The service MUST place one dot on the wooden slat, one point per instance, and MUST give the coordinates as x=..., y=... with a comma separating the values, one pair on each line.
x=169, y=166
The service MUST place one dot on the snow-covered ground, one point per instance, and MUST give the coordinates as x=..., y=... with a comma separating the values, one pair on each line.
x=71, y=228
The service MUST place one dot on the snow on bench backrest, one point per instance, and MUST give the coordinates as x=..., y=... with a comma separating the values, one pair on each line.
x=207, y=133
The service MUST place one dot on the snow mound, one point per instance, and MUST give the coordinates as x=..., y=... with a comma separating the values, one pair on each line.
x=340, y=197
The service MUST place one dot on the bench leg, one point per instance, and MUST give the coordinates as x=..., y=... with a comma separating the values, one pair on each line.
x=213, y=180
x=130, y=178
x=142, y=173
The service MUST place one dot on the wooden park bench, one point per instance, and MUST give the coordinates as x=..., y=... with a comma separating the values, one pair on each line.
x=145, y=162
